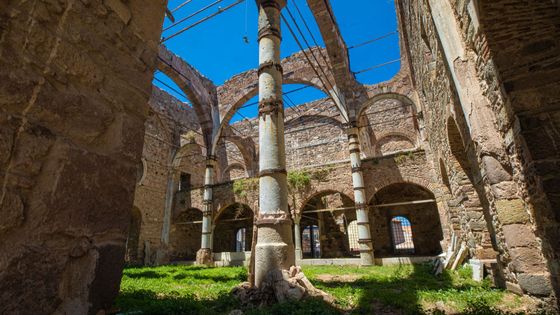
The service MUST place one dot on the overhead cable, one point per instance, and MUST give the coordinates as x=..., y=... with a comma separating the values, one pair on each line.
x=192, y=14
x=377, y=66
x=202, y=20
x=373, y=40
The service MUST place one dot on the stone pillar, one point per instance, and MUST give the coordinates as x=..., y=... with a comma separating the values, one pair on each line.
x=362, y=212
x=204, y=254
x=297, y=236
x=275, y=248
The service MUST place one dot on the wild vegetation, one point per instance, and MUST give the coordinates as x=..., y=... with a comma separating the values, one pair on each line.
x=358, y=290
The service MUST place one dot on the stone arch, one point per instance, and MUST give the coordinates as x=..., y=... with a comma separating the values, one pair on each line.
x=312, y=118
x=386, y=96
x=332, y=224
x=393, y=136
x=200, y=91
x=234, y=166
x=391, y=118
x=247, y=149
x=424, y=215
x=133, y=255
x=227, y=222
x=296, y=70
x=321, y=193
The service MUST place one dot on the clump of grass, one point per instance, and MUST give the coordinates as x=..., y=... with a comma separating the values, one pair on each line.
x=411, y=289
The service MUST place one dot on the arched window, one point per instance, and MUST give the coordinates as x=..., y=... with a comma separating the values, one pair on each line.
x=401, y=231
x=310, y=243
x=353, y=236
x=240, y=240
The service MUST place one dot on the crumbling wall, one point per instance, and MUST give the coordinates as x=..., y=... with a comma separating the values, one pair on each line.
x=75, y=83
x=456, y=78
x=167, y=153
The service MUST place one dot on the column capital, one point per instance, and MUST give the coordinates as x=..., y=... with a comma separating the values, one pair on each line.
x=211, y=161
x=351, y=128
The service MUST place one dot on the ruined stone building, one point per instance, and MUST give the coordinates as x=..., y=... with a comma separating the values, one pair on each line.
x=99, y=166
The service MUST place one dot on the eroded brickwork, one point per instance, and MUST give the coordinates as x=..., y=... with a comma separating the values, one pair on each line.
x=473, y=130
x=75, y=84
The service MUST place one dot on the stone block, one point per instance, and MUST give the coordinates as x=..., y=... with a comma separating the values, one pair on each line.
x=511, y=211
x=526, y=259
x=535, y=284
x=517, y=235
x=504, y=190
x=495, y=172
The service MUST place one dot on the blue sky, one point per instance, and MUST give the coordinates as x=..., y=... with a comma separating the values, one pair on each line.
x=217, y=48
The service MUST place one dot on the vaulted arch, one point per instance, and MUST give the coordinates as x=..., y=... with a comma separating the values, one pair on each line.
x=241, y=88
x=200, y=90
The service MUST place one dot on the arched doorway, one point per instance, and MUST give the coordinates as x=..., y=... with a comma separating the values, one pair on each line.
x=233, y=229
x=132, y=242
x=185, y=235
x=401, y=232
x=324, y=220
x=407, y=221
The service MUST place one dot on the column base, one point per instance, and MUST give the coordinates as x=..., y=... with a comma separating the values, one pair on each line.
x=280, y=285
x=205, y=257
x=366, y=258
x=299, y=254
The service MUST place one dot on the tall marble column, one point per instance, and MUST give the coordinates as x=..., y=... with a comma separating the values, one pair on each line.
x=275, y=247
x=362, y=212
x=204, y=255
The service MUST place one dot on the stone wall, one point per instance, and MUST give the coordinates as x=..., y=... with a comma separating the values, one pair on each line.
x=75, y=84
x=472, y=133
x=172, y=146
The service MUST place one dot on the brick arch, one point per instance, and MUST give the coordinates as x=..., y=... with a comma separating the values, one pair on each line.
x=373, y=188
x=239, y=89
x=385, y=135
x=313, y=118
x=221, y=211
x=385, y=96
x=418, y=183
x=182, y=153
x=232, y=166
x=200, y=91
x=247, y=148
x=323, y=191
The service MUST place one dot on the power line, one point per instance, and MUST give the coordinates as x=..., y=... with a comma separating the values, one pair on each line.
x=172, y=88
x=373, y=40
x=377, y=66
x=220, y=10
x=181, y=5
x=191, y=15
x=311, y=33
x=307, y=57
x=284, y=93
x=315, y=58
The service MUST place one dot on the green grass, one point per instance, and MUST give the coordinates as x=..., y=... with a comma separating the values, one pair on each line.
x=200, y=290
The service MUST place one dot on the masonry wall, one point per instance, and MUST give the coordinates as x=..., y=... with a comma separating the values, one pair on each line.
x=170, y=124
x=74, y=89
x=491, y=186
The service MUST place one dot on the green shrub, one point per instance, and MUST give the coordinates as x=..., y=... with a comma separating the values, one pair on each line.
x=298, y=180
x=241, y=186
